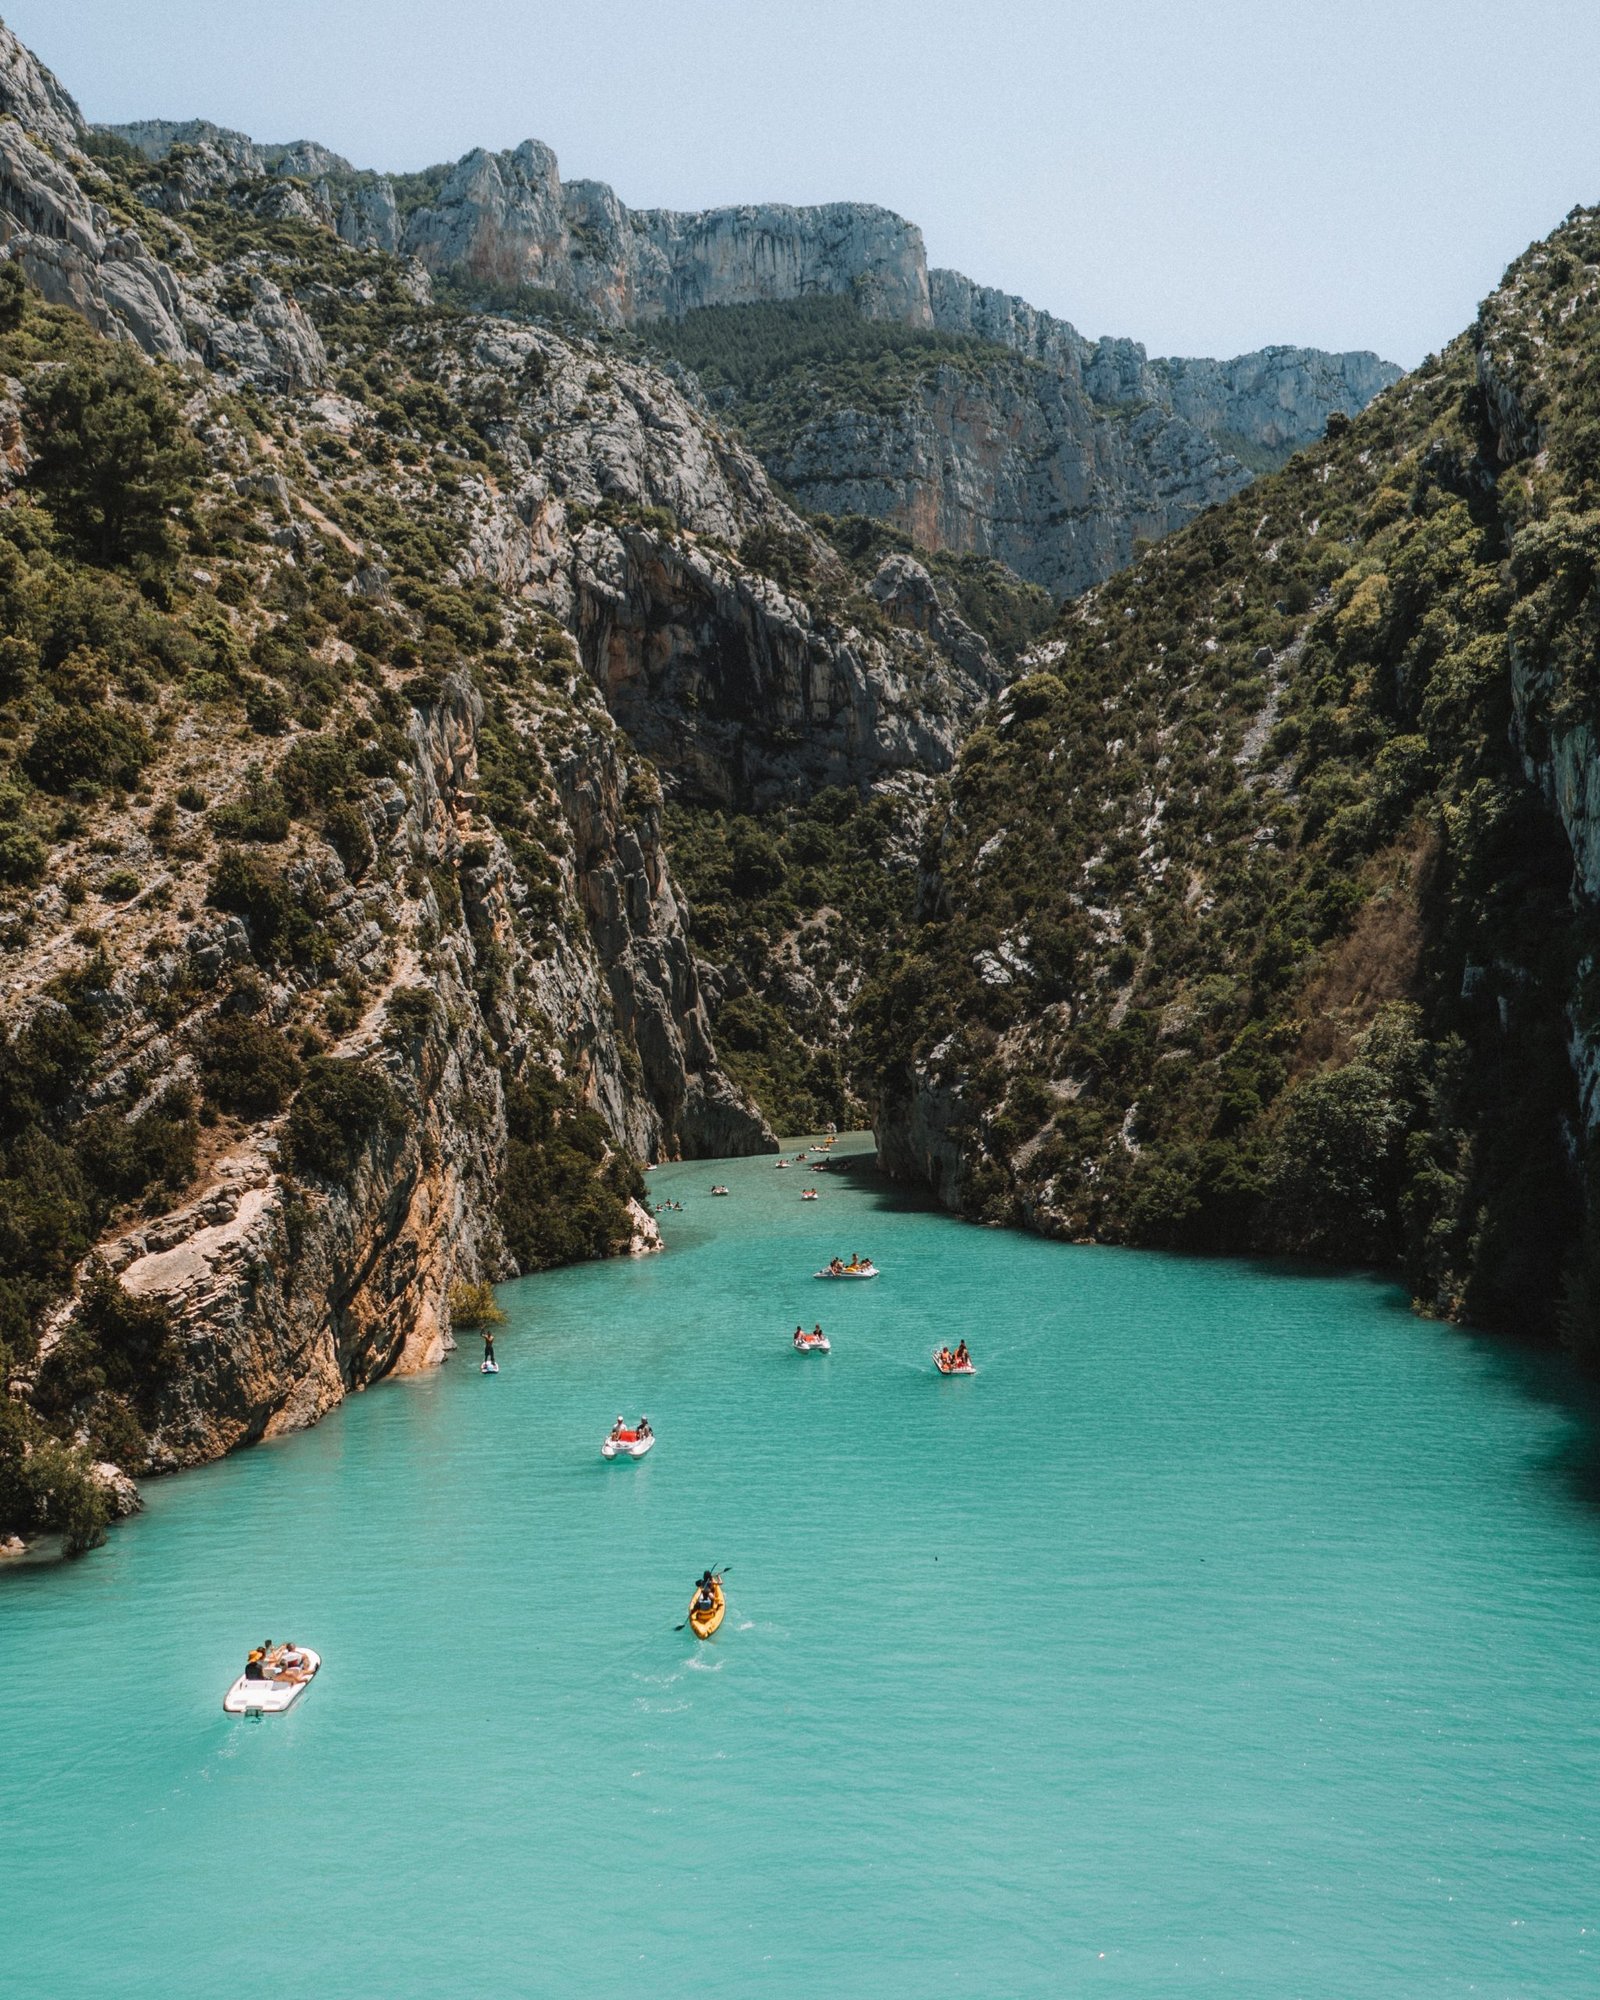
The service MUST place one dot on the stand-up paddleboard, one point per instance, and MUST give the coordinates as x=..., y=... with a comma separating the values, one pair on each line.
x=248, y=1697
x=488, y=1368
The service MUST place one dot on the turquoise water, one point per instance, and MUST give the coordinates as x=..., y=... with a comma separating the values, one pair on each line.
x=1231, y=1630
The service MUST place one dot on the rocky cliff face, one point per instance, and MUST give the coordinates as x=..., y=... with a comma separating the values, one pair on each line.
x=1011, y=460
x=387, y=962
x=1056, y=469
x=1276, y=399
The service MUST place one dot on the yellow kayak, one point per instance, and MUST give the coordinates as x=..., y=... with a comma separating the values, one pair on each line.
x=703, y=1623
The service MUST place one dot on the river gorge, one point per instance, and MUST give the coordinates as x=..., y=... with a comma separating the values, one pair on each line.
x=1232, y=1628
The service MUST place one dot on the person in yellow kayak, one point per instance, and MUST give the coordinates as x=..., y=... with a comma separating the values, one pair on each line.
x=705, y=1595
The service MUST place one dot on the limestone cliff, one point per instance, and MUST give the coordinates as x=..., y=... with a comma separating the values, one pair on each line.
x=1056, y=469
x=342, y=957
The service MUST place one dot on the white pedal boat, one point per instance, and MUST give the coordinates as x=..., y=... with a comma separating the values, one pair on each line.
x=628, y=1445
x=814, y=1344
x=247, y=1697
x=954, y=1367
x=862, y=1271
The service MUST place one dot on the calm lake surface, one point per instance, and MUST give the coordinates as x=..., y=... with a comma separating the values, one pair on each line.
x=1231, y=1630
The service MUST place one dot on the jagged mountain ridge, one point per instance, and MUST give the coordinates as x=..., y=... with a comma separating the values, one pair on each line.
x=1056, y=469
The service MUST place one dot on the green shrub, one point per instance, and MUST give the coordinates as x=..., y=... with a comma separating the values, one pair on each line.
x=259, y=813
x=47, y=1487
x=474, y=1306
x=23, y=855
x=247, y=1066
x=90, y=748
x=343, y=1105
x=556, y=1204
x=281, y=926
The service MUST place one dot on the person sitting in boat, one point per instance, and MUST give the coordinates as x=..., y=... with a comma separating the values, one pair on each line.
x=816, y=1331
x=855, y=1261
x=618, y=1428
x=705, y=1593
x=644, y=1428
x=799, y=1336
x=254, y=1669
x=962, y=1357
x=835, y=1266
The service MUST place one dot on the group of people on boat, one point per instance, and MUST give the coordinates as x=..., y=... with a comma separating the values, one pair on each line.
x=622, y=1434
x=268, y=1662
x=959, y=1359
x=662, y=1207
x=857, y=1263
x=811, y=1339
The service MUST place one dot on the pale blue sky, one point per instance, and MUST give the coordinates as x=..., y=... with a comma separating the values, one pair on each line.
x=1206, y=178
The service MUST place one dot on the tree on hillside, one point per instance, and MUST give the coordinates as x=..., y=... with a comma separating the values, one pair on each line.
x=112, y=458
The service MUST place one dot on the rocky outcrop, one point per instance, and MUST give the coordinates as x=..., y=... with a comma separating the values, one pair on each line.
x=744, y=695
x=1275, y=399
x=68, y=247
x=1012, y=460
x=71, y=248
x=31, y=95
x=743, y=690
x=1056, y=469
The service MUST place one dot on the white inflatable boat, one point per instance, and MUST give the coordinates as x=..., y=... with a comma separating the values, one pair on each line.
x=627, y=1444
x=272, y=1697
x=813, y=1343
x=861, y=1271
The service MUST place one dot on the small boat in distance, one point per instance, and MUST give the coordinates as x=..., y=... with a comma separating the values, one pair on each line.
x=814, y=1342
x=628, y=1441
x=862, y=1268
x=281, y=1675
x=719, y=1189
x=959, y=1363
x=810, y=1194
x=779, y=1165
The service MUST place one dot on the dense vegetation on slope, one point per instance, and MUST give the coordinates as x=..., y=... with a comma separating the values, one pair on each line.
x=186, y=721
x=791, y=910
x=1255, y=925
x=776, y=367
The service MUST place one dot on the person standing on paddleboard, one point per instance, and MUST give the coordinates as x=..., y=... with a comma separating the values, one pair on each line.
x=488, y=1349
